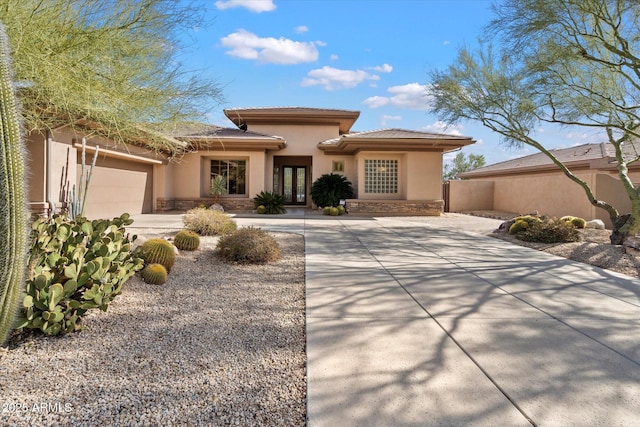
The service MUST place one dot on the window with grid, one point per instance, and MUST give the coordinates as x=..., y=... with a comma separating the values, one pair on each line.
x=233, y=172
x=381, y=176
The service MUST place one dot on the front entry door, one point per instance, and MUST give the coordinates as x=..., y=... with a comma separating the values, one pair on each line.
x=295, y=185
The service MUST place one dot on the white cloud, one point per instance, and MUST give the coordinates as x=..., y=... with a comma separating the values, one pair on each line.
x=334, y=78
x=384, y=68
x=411, y=96
x=333, y=57
x=301, y=29
x=257, y=6
x=387, y=118
x=446, y=43
x=443, y=127
x=246, y=45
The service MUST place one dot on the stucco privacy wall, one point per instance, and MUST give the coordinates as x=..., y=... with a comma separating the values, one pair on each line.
x=552, y=194
x=470, y=195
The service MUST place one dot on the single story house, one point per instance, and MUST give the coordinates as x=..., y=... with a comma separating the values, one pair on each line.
x=393, y=171
x=534, y=183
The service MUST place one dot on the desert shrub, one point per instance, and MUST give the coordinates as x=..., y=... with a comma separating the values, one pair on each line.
x=272, y=202
x=186, y=240
x=334, y=211
x=261, y=210
x=330, y=188
x=576, y=221
x=326, y=210
x=154, y=274
x=550, y=231
x=207, y=222
x=75, y=265
x=341, y=210
x=158, y=251
x=518, y=226
x=249, y=246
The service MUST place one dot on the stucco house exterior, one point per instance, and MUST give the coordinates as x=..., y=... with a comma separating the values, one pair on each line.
x=282, y=149
x=534, y=183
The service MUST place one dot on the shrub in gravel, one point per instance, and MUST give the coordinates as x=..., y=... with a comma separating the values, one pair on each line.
x=249, y=246
x=207, y=222
x=186, y=240
x=154, y=274
x=272, y=202
x=74, y=266
x=158, y=251
x=550, y=231
x=575, y=220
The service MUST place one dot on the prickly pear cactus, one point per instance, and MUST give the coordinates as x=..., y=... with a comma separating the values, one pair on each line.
x=186, y=240
x=13, y=209
x=158, y=251
x=154, y=274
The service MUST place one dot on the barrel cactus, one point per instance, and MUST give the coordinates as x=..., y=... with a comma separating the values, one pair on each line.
x=187, y=240
x=158, y=251
x=154, y=274
x=13, y=208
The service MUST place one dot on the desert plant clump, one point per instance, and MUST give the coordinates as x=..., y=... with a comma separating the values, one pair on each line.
x=158, y=251
x=249, y=246
x=207, y=222
x=550, y=231
x=186, y=240
x=575, y=220
x=272, y=202
x=154, y=274
x=75, y=265
x=330, y=188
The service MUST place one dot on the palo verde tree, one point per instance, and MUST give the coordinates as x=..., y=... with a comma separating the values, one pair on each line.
x=462, y=163
x=112, y=63
x=566, y=62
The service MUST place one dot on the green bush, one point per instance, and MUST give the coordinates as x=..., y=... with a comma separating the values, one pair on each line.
x=550, y=231
x=329, y=189
x=186, y=240
x=326, y=210
x=273, y=202
x=75, y=265
x=158, y=251
x=154, y=274
x=207, y=222
x=249, y=246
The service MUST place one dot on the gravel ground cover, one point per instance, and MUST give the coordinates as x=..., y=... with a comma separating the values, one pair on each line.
x=218, y=344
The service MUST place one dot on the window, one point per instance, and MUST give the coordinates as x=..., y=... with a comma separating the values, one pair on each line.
x=233, y=172
x=381, y=176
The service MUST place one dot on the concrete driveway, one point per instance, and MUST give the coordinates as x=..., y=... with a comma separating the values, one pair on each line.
x=411, y=324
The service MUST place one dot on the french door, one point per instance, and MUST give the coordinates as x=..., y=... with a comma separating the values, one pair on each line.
x=295, y=184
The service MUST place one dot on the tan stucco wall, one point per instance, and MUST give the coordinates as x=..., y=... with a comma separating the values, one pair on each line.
x=424, y=176
x=470, y=195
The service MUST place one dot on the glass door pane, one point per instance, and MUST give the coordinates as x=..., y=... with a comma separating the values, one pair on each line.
x=301, y=185
x=288, y=184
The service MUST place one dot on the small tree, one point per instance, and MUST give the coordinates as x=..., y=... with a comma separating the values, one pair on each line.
x=565, y=62
x=462, y=163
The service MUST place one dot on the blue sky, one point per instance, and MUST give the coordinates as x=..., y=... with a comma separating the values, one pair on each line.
x=373, y=56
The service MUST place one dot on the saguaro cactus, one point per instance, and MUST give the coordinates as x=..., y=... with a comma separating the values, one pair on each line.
x=13, y=208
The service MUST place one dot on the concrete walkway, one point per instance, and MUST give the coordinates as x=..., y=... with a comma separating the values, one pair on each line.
x=413, y=324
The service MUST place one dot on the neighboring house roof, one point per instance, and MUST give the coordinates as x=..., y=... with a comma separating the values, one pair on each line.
x=394, y=139
x=293, y=115
x=211, y=137
x=592, y=156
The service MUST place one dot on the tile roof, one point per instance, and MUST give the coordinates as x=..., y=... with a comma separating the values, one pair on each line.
x=581, y=155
